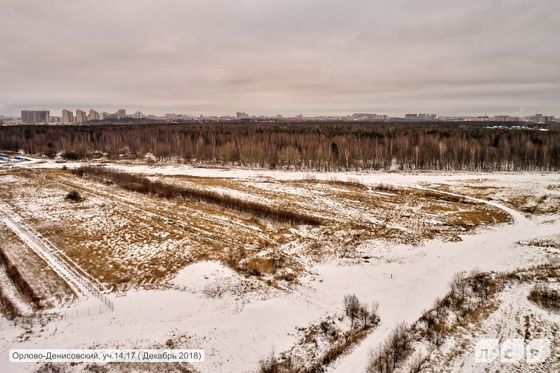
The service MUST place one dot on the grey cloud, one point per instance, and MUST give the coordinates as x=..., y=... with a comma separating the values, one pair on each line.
x=290, y=56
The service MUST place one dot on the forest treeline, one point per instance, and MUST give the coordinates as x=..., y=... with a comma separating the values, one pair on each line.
x=327, y=146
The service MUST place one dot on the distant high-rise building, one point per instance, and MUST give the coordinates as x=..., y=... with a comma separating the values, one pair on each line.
x=67, y=116
x=35, y=116
x=411, y=116
x=539, y=118
x=425, y=116
x=368, y=116
x=241, y=115
x=138, y=115
x=121, y=114
x=93, y=115
x=81, y=116
x=362, y=116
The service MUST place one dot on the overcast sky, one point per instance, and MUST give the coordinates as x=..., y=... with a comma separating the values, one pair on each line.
x=281, y=56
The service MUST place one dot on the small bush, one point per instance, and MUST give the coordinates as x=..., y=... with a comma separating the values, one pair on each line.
x=352, y=307
x=287, y=276
x=273, y=364
x=545, y=297
x=358, y=311
x=387, y=188
x=396, y=349
x=259, y=266
x=74, y=196
x=418, y=363
x=73, y=155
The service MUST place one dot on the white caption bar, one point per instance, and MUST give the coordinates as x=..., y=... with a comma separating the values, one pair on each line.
x=105, y=356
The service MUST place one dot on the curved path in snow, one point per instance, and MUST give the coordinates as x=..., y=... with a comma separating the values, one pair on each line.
x=413, y=297
x=518, y=218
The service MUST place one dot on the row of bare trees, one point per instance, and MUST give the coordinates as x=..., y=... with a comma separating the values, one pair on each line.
x=323, y=343
x=141, y=184
x=328, y=146
x=470, y=295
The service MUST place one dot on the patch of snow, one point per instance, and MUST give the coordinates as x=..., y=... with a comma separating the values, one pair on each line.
x=200, y=275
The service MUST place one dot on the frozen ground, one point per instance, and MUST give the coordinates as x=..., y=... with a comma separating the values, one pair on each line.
x=202, y=305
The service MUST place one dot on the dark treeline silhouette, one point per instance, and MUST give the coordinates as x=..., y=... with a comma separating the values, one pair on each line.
x=326, y=146
x=144, y=185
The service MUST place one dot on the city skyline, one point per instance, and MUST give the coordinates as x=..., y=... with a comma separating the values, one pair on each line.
x=326, y=58
x=98, y=113
x=82, y=116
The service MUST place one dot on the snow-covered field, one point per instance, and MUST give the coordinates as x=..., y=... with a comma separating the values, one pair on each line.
x=178, y=293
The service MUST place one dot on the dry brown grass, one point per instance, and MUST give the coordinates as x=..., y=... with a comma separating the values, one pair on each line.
x=546, y=297
x=350, y=184
x=20, y=282
x=144, y=185
x=472, y=219
x=519, y=202
x=531, y=204
x=259, y=266
x=7, y=307
x=102, y=231
x=204, y=231
x=437, y=208
x=47, y=287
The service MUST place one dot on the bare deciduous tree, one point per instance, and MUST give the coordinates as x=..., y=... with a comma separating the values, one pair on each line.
x=328, y=146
